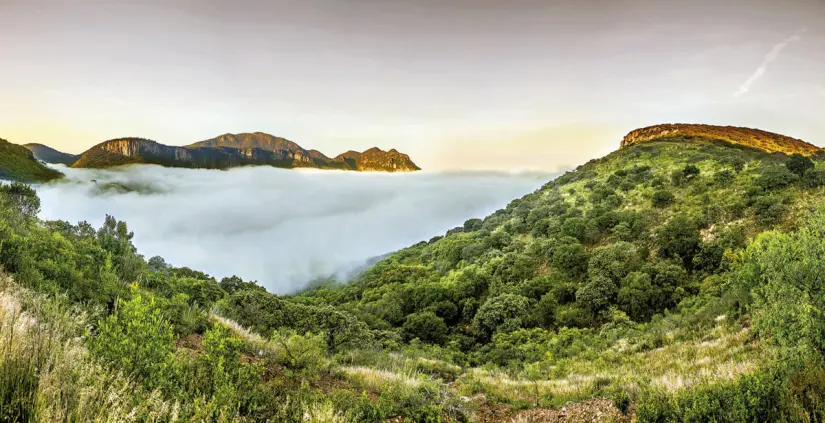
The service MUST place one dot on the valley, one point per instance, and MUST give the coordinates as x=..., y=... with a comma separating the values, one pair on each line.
x=673, y=280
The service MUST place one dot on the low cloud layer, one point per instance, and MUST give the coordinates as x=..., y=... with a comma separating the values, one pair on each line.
x=282, y=228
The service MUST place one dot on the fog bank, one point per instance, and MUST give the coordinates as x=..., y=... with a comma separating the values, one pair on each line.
x=280, y=227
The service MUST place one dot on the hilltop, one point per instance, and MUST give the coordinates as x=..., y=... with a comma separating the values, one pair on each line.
x=49, y=155
x=19, y=164
x=232, y=150
x=747, y=137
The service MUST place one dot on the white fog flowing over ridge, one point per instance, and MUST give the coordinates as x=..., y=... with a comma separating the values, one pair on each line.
x=283, y=228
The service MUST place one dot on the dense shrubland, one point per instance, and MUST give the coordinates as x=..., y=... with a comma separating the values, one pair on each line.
x=682, y=281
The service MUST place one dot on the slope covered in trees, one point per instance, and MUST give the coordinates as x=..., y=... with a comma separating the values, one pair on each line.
x=50, y=155
x=668, y=281
x=17, y=163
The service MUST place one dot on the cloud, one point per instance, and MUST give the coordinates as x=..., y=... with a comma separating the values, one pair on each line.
x=283, y=228
x=769, y=58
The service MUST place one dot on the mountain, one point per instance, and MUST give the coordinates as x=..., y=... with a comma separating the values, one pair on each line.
x=376, y=159
x=677, y=279
x=19, y=164
x=755, y=138
x=233, y=150
x=50, y=155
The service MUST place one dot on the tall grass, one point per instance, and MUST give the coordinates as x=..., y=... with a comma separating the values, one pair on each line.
x=47, y=374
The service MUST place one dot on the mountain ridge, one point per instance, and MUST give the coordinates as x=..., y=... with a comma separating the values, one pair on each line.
x=50, y=155
x=233, y=150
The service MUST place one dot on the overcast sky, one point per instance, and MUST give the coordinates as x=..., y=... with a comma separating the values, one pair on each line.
x=485, y=84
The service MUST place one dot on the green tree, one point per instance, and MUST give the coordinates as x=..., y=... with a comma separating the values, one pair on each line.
x=21, y=198
x=661, y=199
x=786, y=273
x=636, y=296
x=679, y=238
x=504, y=309
x=597, y=294
x=426, y=326
x=138, y=339
x=799, y=164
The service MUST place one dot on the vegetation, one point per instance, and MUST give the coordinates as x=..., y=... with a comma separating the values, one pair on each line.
x=676, y=281
x=18, y=164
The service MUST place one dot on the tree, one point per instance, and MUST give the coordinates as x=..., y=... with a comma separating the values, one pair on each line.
x=786, y=274
x=496, y=311
x=571, y=258
x=635, y=296
x=21, y=198
x=799, y=164
x=303, y=355
x=679, y=238
x=814, y=178
x=775, y=177
x=426, y=326
x=613, y=261
x=597, y=294
x=137, y=339
x=545, y=310
x=662, y=199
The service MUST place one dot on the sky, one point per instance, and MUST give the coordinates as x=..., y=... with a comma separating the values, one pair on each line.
x=457, y=84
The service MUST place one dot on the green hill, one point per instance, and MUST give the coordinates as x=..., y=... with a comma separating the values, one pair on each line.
x=674, y=280
x=17, y=163
x=50, y=155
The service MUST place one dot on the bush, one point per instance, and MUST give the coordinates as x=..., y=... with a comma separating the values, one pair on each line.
x=799, y=164
x=662, y=199
x=769, y=210
x=775, y=177
x=137, y=339
x=814, y=178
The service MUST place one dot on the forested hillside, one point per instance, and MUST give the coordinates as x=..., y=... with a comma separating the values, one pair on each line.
x=676, y=280
x=17, y=163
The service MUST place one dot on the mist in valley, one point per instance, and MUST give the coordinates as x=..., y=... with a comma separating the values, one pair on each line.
x=283, y=228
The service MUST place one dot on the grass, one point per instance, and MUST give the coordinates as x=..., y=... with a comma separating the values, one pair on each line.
x=48, y=375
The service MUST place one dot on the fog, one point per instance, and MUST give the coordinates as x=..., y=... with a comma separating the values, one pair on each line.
x=283, y=228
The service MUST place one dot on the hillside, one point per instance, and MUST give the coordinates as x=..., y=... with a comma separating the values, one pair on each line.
x=17, y=163
x=747, y=137
x=49, y=155
x=232, y=150
x=674, y=280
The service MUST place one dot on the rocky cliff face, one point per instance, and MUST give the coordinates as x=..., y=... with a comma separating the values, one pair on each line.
x=231, y=150
x=754, y=138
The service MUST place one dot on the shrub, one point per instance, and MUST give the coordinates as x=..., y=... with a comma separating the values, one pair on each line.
x=137, y=339
x=799, y=164
x=662, y=199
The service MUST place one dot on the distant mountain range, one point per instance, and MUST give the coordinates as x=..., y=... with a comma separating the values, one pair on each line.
x=50, y=155
x=226, y=151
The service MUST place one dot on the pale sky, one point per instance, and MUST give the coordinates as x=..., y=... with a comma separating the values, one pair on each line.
x=457, y=84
